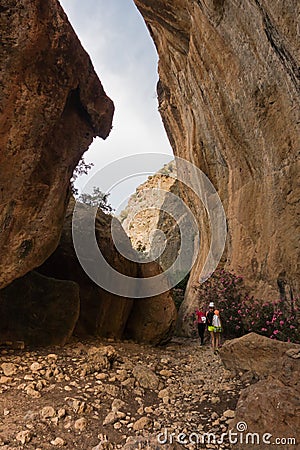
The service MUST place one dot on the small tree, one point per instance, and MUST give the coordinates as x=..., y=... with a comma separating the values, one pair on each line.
x=81, y=169
x=97, y=198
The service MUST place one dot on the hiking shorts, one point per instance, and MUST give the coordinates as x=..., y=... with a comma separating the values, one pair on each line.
x=217, y=329
x=210, y=328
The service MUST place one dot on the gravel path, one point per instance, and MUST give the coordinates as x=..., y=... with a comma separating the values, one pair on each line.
x=107, y=394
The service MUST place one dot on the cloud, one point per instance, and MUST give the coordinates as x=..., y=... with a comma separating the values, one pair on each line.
x=123, y=54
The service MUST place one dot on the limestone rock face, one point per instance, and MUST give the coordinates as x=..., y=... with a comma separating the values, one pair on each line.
x=272, y=404
x=229, y=99
x=52, y=105
x=156, y=219
x=141, y=217
x=38, y=310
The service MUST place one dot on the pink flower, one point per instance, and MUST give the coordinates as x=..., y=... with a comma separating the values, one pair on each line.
x=281, y=322
x=264, y=329
x=292, y=327
x=275, y=331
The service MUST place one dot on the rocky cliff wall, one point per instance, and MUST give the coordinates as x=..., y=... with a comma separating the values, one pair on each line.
x=147, y=214
x=52, y=105
x=229, y=99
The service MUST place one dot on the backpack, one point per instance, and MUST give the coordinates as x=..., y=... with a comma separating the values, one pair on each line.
x=216, y=321
x=209, y=317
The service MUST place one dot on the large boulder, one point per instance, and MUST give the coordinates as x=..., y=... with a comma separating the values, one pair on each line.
x=152, y=319
x=229, y=100
x=52, y=106
x=38, y=310
x=254, y=353
x=271, y=407
x=102, y=313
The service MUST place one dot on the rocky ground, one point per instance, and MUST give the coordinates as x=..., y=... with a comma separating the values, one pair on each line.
x=107, y=394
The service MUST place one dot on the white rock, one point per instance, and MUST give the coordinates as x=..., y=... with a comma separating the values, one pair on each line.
x=141, y=423
x=9, y=369
x=61, y=413
x=32, y=392
x=110, y=418
x=80, y=424
x=4, y=380
x=24, y=437
x=163, y=393
x=229, y=414
x=117, y=404
x=58, y=442
x=35, y=367
x=47, y=412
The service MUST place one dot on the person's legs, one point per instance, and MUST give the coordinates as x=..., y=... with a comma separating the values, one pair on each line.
x=201, y=329
x=212, y=339
x=217, y=339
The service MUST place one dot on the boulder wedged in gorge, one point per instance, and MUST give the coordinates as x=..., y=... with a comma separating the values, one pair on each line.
x=38, y=310
x=272, y=405
x=229, y=99
x=52, y=105
x=152, y=319
x=104, y=313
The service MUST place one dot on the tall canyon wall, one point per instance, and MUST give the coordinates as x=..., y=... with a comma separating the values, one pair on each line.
x=52, y=105
x=229, y=99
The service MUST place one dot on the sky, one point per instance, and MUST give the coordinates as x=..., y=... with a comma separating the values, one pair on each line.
x=124, y=57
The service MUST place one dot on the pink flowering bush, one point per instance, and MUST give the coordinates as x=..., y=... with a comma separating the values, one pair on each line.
x=241, y=314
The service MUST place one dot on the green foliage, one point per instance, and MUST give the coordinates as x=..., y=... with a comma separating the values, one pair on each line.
x=82, y=168
x=97, y=199
x=241, y=314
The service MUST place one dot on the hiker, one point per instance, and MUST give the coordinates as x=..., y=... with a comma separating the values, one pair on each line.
x=216, y=323
x=201, y=322
x=209, y=319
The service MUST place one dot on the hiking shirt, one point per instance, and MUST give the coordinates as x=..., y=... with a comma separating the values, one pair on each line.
x=201, y=317
x=209, y=317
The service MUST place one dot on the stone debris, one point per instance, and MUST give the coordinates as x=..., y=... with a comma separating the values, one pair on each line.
x=58, y=442
x=130, y=394
x=24, y=437
x=9, y=369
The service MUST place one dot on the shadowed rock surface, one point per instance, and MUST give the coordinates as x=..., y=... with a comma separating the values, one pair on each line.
x=152, y=319
x=39, y=311
x=103, y=313
x=229, y=99
x=52, y=105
